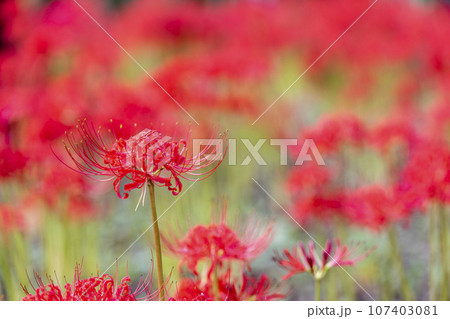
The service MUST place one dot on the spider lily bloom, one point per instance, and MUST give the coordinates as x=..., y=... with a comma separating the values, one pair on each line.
x=258, y=289
x=314, y=192
x=12, y=163
x=217, y=243
x=375, y=206
x=394, y=132
x=147, y=157
x=11, y=219
x=420, y=187
x=317, y=263
x=229, y=289
x=332, y=132
x=97, y=288
x=188, y=289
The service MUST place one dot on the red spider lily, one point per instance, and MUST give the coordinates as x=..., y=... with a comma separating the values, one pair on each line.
x=317, y=263
x=97, y=288
x=330, y=133
x=188, y=289
x=11, y=162
x=374, y=206
x=259, y=289
x=321, y=205
x=11, y=218
x=217, y=243
x=314, y=191
x=248, y=288
x=396, y=130
x=309, y=176
x=426, y=176
x=148, y=156
x=439, y=122
x=77, y=191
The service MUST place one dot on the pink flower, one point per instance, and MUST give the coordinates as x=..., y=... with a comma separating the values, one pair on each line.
x=317, y=263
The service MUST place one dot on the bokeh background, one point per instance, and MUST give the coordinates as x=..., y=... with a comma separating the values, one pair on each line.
x=376, y=105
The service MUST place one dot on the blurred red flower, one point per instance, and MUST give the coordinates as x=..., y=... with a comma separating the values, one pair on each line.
x=394, y=131
x=374, y=206
x=11, y=218
x=217, y=243
x=11, y=162
x=229, y=289
x=426, y=176
x=331, y=132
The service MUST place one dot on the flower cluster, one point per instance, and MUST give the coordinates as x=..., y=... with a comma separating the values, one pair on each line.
x=406, y=152
x=376, y=106
x=228, y=289
x=97, y=288
x=218, y=247
x=58, y=67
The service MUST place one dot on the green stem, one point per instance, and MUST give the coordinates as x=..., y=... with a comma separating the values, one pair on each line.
x=443, y=252
x=386, y=287
x=159, y=265
x=405, y=288
x=432, y=261
x=317, y=289
x=216, y=285
x=5, y=267
x=331, y=290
